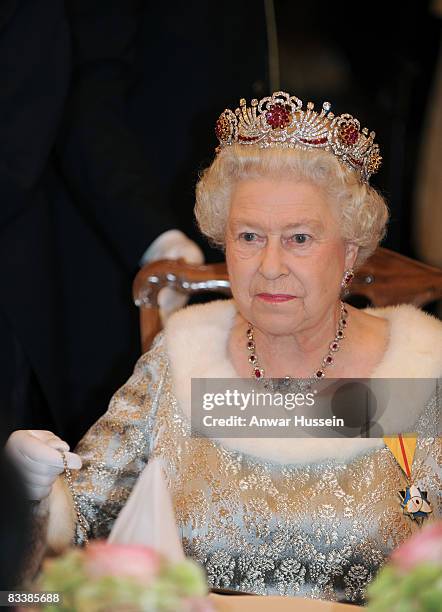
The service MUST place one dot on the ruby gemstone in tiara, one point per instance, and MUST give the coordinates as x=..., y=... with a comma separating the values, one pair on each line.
x=279, y=116
x=348, y=134
x=222, y=128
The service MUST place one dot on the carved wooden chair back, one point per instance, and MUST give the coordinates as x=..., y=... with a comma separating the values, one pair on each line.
x=386, y=279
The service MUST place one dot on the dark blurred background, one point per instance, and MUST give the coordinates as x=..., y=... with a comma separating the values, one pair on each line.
x=376, y=61
x=109, y=113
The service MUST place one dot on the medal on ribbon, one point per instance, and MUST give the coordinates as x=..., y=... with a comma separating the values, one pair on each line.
x=414, y=501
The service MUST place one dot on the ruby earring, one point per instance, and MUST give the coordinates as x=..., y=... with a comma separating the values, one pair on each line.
x=348, y=277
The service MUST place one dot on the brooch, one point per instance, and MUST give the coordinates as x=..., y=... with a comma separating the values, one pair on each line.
x=414, y=501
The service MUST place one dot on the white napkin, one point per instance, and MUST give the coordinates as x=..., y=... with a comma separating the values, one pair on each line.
x=148, y=517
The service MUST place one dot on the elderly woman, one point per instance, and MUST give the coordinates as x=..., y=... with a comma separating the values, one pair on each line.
x=288, y=198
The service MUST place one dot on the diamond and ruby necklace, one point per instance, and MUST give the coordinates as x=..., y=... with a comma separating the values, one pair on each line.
x=258, y=371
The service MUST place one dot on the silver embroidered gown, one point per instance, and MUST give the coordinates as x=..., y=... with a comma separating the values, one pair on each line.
x=318, y=530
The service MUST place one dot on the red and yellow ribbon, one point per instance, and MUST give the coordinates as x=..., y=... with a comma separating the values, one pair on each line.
x=402, y=448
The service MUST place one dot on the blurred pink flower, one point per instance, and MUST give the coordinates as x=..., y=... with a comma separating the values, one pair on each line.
x=140, y=562
x=197, y=604
x=425, y=545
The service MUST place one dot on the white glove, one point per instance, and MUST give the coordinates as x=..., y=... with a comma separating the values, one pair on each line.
x=172, y=244
x=36, y=455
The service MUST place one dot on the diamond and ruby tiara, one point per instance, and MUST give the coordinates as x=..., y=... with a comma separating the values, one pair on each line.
x=280, y=121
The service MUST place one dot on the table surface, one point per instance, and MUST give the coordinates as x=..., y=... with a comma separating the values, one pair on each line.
x=253, y=603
